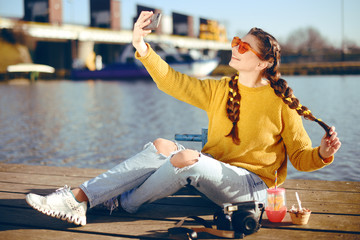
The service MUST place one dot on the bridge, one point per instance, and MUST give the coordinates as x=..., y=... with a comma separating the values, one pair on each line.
x=45, y=31
x=47, y=35
x=74, y=44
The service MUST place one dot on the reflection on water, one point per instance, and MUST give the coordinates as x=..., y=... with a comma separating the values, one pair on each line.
x=335, y=100
x=98, y=124
x=87, y=124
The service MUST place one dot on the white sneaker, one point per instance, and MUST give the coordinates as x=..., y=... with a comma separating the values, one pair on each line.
x=60, y=204
x=112, y=205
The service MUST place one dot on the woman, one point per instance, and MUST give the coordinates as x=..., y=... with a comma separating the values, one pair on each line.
x=254, y=124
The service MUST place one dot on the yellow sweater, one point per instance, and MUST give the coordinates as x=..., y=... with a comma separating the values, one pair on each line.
x=268, y=129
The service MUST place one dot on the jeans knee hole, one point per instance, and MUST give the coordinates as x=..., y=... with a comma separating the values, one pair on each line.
x=183, y=164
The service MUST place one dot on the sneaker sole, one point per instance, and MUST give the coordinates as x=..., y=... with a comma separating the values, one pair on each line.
x=56, y=214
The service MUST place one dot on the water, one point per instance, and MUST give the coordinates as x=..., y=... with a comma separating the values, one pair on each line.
x=97, y=124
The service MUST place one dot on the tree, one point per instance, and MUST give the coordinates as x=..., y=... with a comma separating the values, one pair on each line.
x=305, y=41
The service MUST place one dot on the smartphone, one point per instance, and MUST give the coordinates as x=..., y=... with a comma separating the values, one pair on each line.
x=155, y=20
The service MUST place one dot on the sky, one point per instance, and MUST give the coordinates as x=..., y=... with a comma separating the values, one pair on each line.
x=278, y=17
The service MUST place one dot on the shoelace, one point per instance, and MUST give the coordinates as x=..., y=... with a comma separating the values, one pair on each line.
x=112, y=204
x=62, y=191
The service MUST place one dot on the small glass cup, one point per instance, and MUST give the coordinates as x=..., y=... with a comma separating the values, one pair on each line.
x=276, y=204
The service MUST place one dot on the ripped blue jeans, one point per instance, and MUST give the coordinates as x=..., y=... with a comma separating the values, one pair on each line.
x=149, y=176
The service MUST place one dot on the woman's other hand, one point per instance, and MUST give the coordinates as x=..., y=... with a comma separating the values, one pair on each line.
x=329, y=145
x=139, y=33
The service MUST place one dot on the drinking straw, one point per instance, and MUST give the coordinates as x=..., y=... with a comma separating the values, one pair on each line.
x=275, y=179
x=298, y=200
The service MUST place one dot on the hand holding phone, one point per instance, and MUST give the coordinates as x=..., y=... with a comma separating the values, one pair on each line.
x=154, y=22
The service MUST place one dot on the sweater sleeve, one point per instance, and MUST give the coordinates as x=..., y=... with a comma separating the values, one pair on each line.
x=298, y=144
x=184, y=88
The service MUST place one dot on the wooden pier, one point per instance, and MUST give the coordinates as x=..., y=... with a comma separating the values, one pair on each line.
x=335, y=210
x=306, y=68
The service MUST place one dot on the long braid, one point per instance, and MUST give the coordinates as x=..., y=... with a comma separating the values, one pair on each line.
x=233, y=108
x=271, y=48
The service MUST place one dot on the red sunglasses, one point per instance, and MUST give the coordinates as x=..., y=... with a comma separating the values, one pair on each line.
x=243, y=47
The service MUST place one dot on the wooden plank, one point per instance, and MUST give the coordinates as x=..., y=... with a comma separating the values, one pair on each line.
x=20, y=233
x=26, y=188
x=24, y=233
x=97, y=221
x=297, y=184
x=322, y=203
x=85, y=172
x=342, y=186
x=336, y=213
x=40, y=179
x=174, y=212
x=111, y=225
x=317, y=201
x=339, y=222
x=266, y=234
x=330, y=207
x=158, y=210
x=321, y=222
x=128, y=227
x=50, y=170
x=322, y=196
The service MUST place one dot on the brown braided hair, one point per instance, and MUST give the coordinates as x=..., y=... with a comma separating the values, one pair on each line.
x=270, y=51
x=233, y=108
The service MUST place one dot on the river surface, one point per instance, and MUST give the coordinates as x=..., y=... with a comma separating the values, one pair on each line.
x=97, y=124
